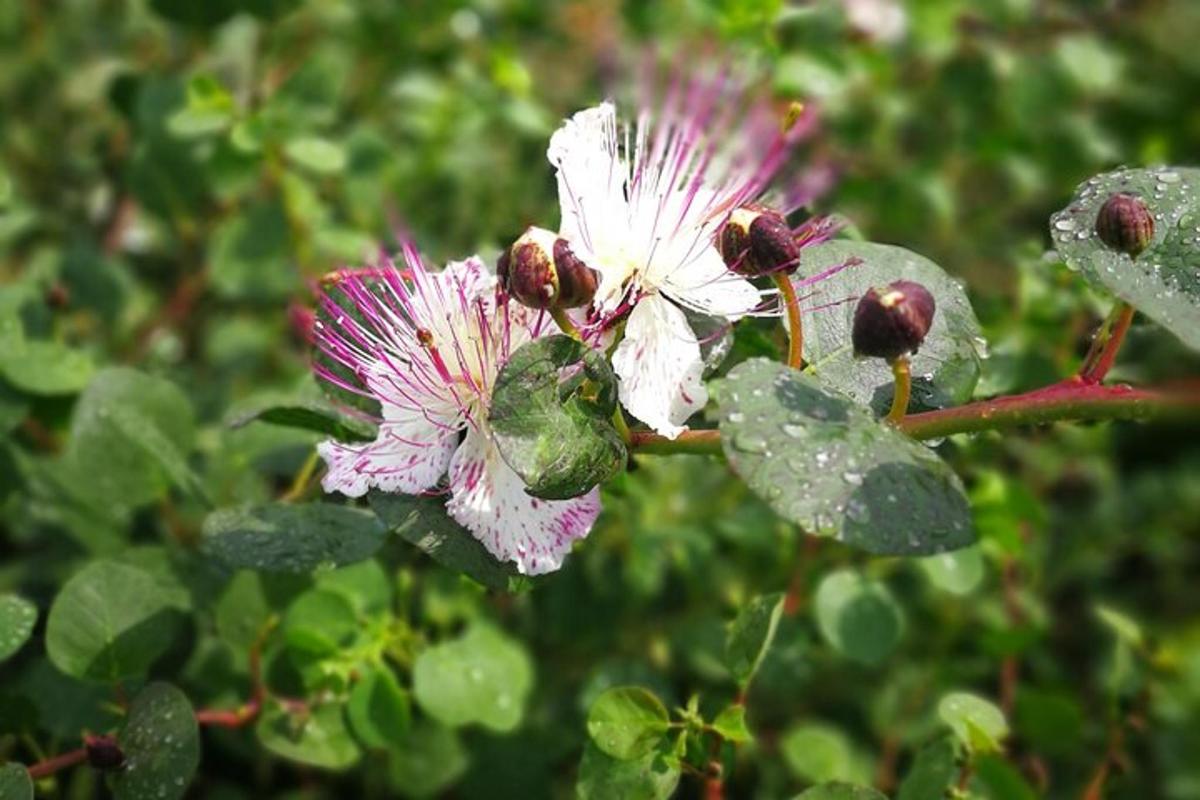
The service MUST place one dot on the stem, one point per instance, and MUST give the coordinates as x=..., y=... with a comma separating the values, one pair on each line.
x=1106, y=345
x=300, y=482
x=902, y=372
x=622, y=426
x=705, y=442
x=53, y=764
x=795, y=325
x=564, y=323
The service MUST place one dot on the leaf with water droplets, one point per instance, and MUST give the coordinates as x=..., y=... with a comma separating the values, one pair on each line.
x=309, y=415
x=602, y=777
x=292, y=538
x=627, y=722
x=837, y=790
x=824, y=462
x=161, y=742
x=978, y=723
x=311, y=735
x=17, y=618
x=946, y=367
x=15, y=783
x=1164, y=280
x=483, y=677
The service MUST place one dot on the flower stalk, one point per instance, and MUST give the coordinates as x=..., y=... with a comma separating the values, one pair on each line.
x=1103, y=352
x=795, y=325
x=902, y=372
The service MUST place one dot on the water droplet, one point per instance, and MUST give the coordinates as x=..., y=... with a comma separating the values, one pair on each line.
x=793, y=430
x=1169, y=176
x=735, y=417
x=1064, y=224
x=750, y=443
x=853, y=478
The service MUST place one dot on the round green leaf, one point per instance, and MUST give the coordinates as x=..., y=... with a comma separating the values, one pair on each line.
x=316, y=736
x=840, y=791
x=750, y=636
x=977, y=722
x=945, y=369
x=858, y=617
x=483, y=677
x=15, y=783
x=314, y=153
x=561, y=444
x=46, y=368
x=292, y=538
x=816, y=752
x=161, y=742
x=319, y=623
x=1164, y=280
x=627, y=722
x=427, y=760
x=111, y=621
x=934, y=771
x=825, y=463
x=378, y=710
x=17, y=618
x=958, y=573
x=602, y=777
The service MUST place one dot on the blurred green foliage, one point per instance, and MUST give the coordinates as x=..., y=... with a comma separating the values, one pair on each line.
x=174, y=174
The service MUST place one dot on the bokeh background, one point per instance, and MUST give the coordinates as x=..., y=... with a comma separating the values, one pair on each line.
x=173, y=174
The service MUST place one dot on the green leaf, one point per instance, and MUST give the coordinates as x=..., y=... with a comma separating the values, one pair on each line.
x=934, y=771
x=858, y=617
x=316, y=154
x=945, y=369
x=14, y=407
x=1125, y=627
x=99, y=454
x=111, y=621
x=560, y=444
x=977, y=722
x=484, y=677
x=427, y=760
x=958, y=573
x=1164, y=280
x=824, y=463
x=627, y=722
x=161, y=742
x=15, y=783
x=817, y=752
x=423, y=521
x=17, y=618
x=367, y=585
x=317, y=736
x=319, y=623
x=378, y=710
x=250, y=254
x=602, y=777
x=292, y=538
x=209, y=109
x=1002, y=779
x=310, y=416
x=731, y=724
x=46, y=368
x=840, y=791
x=750, y=636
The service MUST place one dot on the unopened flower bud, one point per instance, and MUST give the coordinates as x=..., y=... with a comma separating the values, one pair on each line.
x=1124, y=223
x=103, y=752
x=892, y=321
x=757, y=240
x=541, y=271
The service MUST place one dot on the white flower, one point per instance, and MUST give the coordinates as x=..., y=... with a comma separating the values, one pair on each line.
x=641, y=204
x=428, y=347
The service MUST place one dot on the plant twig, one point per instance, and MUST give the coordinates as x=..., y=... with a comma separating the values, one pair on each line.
x=300, y=482
x=791, y=303
x=53, y=764
x=902, y=372
x=1106, y=345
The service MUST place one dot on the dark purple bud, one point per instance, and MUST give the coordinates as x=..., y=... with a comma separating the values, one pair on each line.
x=541, y=271
x=757, y=240
x=103, y=752
x=892, y=321
x=1124, y=223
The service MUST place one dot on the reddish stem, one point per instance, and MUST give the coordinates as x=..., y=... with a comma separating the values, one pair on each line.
x=1106, y=345
x=795, y=324
x=52, y=765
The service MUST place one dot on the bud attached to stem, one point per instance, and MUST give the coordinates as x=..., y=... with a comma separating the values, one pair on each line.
x=541, y=271
x=103, y=753
x=757, y=240
x=892, y=321
x=1125, y=223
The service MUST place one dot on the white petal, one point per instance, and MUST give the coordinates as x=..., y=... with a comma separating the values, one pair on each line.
x=409, y=456
x=659, y=366
x=489, y=499
x=706, y=285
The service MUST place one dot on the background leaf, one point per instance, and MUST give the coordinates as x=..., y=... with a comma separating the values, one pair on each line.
x=15, y=783
x=627, y=722
x=317, y=736
x=858, y=617
x=977, y=722
x=750, y=636
x=483, y=677
x=292, y=538
x=310, y=416
x=161, y=742
x=378, y=710
x=601, y=776
x=17, y=618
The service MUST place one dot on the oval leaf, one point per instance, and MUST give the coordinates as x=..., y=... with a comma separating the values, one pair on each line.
x=46, y=368
x=858, y=617
x=17, y=618
x=602, y=777
x=934, y=771
x=292, y=538
x=750, y=636
x=315, y=736
x=627, y=722
x=945, y=369
x=817, y=752
x=378, y=710
x=560, y=445
x=484, y=678
x=312, y=416
x=826, y=464
x=15, y=783
x=840, y=791
x=1164, y=280
x=978, y=723
x=161, y=742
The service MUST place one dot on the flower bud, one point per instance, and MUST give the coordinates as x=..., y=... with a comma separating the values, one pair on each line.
x=541, y=271
x=1124, y=223
x=103, y=752
x=892, y=321
x=757, y=240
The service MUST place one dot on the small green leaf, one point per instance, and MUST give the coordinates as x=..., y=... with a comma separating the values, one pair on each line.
x=14, y=407
x=826, y=464
x=292, y=538
x=959, y=572
x=945, y=369
x=17, y=618
x=934, y=771
x=1164, y=280
x=316, y=736
x=602, y=777
x=319, y=623
x=250, y=253
x=310, y=416
x=1002, y=779
x=111, y=621
x=560, y=445
x=161, y=742
x=316, y=154
x=423, y=522
x=15, y=783
x=427, y=760
x=627, y=722
x=731, y=724
x=483, y=677
x=817, y=752
x=858, y=617
x=840, y=791
x=209, y=109
x=750, y=636
x=977, y=722
x=378, y=710
x=46, y=368
x=1125, y=627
